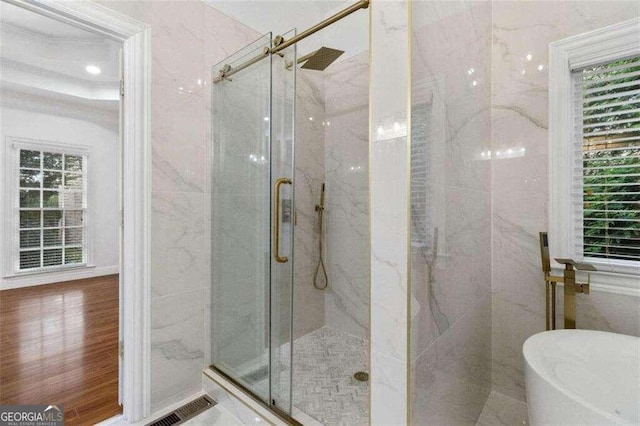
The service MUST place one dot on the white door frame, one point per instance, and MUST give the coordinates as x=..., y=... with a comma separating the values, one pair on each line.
x=136, y=174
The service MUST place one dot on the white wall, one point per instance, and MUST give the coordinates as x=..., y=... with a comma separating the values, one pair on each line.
x=103, y=196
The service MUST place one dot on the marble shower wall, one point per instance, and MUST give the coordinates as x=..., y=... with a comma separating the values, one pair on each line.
x=188, y=38
x=520, y=185
x=309, y=303
x=388, y=179
x=450, y=211
x=347, y=241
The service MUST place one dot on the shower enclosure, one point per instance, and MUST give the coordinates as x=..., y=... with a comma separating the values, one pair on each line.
x=252, y=221
x=283, y=128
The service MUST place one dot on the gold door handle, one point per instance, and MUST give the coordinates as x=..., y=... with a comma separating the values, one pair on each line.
x=276, y=219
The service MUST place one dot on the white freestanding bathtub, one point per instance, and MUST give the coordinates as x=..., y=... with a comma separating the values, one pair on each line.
x=582, y=377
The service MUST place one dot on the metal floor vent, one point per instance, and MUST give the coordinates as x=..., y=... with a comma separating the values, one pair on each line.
x=186, y=412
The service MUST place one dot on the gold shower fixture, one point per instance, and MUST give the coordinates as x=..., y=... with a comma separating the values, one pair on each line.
x=320, y=59
x=320, y=268
x=570, y=286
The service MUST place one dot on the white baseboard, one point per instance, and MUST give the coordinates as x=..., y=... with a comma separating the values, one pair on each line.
x=56, y=277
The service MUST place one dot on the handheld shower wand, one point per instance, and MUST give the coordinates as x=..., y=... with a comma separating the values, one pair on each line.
x=320, y=210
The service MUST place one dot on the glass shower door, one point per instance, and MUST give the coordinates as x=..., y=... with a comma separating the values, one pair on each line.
x=241, y=219
x=283, y=71
x=252, y=222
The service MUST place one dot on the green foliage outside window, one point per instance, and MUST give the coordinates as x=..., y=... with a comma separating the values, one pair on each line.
x=611, y=161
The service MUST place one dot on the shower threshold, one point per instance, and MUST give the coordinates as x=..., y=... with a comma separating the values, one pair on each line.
x=249, y=398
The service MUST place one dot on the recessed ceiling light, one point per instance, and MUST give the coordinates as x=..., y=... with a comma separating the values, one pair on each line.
x=92, y=69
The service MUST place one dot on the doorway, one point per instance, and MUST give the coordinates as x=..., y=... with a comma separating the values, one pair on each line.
x=66, y=126
x=61, y=163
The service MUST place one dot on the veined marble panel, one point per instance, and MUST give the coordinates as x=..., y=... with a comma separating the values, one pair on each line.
x=347, y=198
x=223, y=36
x=177, y=336
x=451, y=211
x=179, y=258
x=451, y=380
x=517, y=285
x=522, y=32
x=389, y=183
x=309, y=175
x=451, y=70
x=388, y=390
x=617, y=313
x=501, y=410
x=451, y=272
x=177, y=85
x=178, y=145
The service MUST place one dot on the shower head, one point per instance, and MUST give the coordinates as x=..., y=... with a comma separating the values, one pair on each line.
x=320, y=59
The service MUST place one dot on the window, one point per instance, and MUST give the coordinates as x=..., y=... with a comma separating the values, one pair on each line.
x=428, y=221
x=594, y=153
x=606, y=185
x=51, y=198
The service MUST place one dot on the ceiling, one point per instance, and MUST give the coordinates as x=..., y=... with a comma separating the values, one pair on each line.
x=350, y=34
x=40, y=55
x=46, y=26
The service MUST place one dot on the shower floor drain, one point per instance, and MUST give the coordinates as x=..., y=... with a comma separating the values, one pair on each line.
x=361, y=376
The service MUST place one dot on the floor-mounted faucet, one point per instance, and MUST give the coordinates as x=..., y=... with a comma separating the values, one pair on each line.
x=571, y=287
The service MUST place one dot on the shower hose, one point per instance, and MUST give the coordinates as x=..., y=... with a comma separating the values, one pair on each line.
x=320, y=209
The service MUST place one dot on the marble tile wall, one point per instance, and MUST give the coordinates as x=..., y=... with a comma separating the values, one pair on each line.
x=451, y=380
x=188, y=38
x=388, y=178
x=309, y=302
x=520, y=185
x=451, y=211
x=346, y=140
x=502, y=410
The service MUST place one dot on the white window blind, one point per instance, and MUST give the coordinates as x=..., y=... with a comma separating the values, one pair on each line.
x=605, y=195
x=51, y=210
x=420, y=220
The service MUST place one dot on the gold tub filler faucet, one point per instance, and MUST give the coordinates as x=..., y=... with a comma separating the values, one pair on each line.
x=571, y=287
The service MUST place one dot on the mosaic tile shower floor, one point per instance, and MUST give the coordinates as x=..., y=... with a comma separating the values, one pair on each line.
x=325, y=361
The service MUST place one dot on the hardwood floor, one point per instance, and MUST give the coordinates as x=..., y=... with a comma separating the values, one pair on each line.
x=59, y=345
